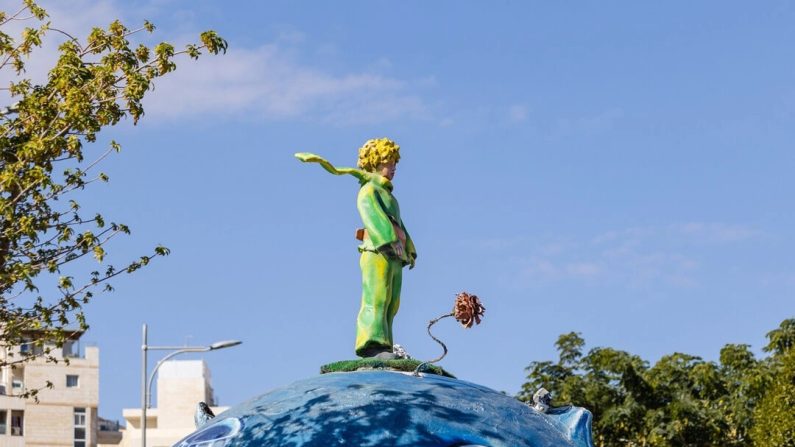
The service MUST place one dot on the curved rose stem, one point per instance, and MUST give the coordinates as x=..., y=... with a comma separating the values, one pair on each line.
x=444, y=347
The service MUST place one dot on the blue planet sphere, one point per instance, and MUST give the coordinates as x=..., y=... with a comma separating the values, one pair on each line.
x=389, y=408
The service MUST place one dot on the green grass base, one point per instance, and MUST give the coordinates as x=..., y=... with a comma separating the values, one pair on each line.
x=406, y=365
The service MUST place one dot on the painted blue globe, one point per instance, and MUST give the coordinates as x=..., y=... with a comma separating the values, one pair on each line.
x=386, y=408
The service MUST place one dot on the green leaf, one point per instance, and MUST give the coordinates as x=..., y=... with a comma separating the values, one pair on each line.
x=99, y=253
x=213, y=42
x=162, y=251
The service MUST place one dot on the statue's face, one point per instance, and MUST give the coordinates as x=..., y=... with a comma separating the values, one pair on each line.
x=387, y=169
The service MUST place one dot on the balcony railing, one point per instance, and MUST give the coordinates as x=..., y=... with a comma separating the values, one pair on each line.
x=109, y=426
x=73, y=355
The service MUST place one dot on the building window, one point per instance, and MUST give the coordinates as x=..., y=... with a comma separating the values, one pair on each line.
x=71, y=349
x=17, y=384
x=80, y=427
x=30, y=346
x=72, y=381
x=17, y=422
x=80, y=417
x=3, y=421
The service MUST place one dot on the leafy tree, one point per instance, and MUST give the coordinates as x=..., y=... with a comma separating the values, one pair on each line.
x=782, y=339
x=745, y=379
x=45, y=165
x=681, y=400
x=775, y=417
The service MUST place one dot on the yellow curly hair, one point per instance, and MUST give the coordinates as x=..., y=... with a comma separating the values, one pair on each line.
x=377, y=152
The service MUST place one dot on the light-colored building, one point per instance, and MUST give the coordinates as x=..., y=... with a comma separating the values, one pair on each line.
x=181, y=385
x=66, y=414
x=108, y=432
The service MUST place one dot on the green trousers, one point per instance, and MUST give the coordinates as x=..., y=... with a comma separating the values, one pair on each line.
x=381, y=280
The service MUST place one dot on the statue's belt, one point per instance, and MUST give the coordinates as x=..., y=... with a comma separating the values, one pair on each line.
x=361, y=234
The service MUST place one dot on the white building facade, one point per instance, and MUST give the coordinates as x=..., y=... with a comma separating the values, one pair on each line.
x=66, y=414
x=181, y=385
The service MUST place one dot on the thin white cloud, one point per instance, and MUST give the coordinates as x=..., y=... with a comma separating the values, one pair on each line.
x=716, y=232
x=635, y=257
x=268, y=83
x=598, y=123
x=584, y=269
x=628, y=268
x=517, y=113
x=712, y=232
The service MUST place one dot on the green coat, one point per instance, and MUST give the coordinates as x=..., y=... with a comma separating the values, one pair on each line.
x=380, y=214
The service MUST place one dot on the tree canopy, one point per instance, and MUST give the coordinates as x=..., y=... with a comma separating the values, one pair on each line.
x=46, y=164
x=682, y=400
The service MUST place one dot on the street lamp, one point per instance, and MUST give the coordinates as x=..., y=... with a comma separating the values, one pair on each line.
x=146, y=384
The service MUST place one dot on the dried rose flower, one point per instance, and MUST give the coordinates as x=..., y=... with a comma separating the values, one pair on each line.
x=467, y=309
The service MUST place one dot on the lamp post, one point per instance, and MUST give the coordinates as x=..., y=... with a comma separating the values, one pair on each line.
x=146, y=384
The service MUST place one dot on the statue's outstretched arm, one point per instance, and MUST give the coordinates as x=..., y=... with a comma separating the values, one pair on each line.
x=307, y=157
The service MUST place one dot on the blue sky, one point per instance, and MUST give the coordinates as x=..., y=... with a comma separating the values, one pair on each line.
x=621, y=169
